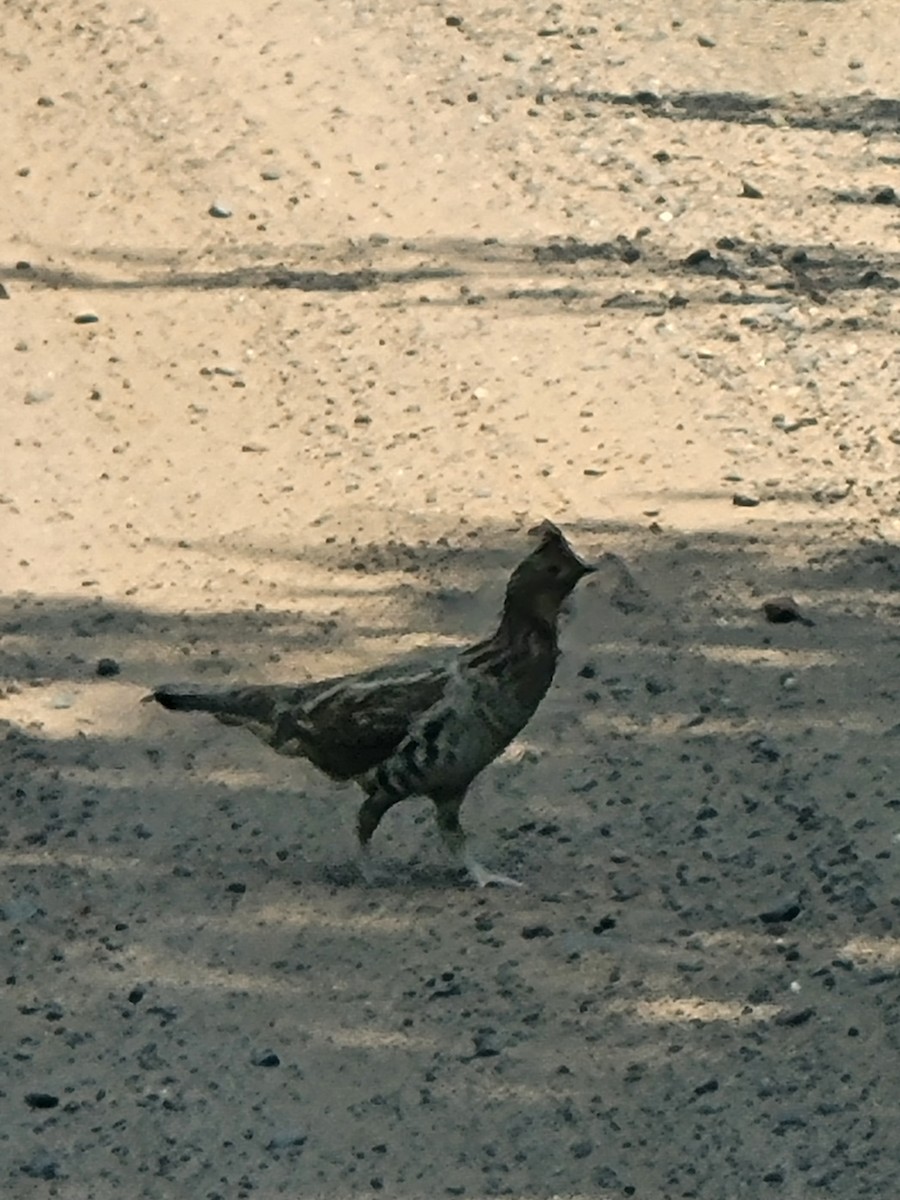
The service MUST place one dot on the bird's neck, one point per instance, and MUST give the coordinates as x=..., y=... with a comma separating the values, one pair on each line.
x=527, y=626
x=520, y=657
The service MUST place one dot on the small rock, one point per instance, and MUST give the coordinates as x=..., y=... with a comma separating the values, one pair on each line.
x=270, y=175
x=41, y=1165
x=749, y=191
x=107, y=667
x=86, y=318
x=743, y=500
x=530, y=932
x=41, y=1100
x=707, y=42
x=703, y=1089
x=861, y=903
x=222, y=211
x=764, y=749
x=266, y=1058
x=290, y=1140
x=787, y=910
x=487, y=1044
x=780, y=610
x=798, y=1017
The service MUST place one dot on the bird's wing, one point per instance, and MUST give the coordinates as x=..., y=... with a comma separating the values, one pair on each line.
x=348, y=725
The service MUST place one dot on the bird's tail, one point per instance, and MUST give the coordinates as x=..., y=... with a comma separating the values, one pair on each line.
x=238, y=705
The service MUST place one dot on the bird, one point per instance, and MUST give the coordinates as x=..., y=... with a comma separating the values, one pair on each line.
x=422, y=727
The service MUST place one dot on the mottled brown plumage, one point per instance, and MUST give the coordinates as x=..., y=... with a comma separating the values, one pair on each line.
x=424, y=728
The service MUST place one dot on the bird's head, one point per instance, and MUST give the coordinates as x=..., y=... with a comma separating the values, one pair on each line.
x=542, y=581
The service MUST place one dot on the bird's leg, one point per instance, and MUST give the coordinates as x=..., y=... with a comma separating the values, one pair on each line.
x=454, y=838
x=372, y=809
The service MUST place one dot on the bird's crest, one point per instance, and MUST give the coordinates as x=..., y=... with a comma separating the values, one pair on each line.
x=547, y=532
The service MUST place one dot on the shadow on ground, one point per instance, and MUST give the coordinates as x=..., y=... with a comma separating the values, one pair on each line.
x=625, y=272
x=704, y=811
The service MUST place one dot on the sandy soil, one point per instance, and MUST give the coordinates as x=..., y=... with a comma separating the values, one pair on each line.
x=482, y=265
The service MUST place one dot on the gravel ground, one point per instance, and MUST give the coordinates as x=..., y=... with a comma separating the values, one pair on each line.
x=310, y=312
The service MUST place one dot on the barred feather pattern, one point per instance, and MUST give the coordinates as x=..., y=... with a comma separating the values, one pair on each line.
x=490, y=693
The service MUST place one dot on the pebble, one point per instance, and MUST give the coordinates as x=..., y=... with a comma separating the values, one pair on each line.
x=486, y=1043
x=41, y=1165
x=800, y=1017
x=41, y=1100
x=764, y=749
x=780, y=610
x=704, y=1089
x=792, y=424
x=287, y=1140
x=743, y=500
x=266, y=1058
x=222, y=211
x=787, y=910
x=86, y=318
x=107, y=667
x=530, y=932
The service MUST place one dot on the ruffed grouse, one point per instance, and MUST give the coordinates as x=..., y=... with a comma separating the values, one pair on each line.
x=423, y=728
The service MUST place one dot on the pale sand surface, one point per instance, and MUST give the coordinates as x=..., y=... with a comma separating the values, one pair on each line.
x=493, y=317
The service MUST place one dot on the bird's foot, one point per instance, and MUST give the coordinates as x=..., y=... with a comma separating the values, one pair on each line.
x=484, y=878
